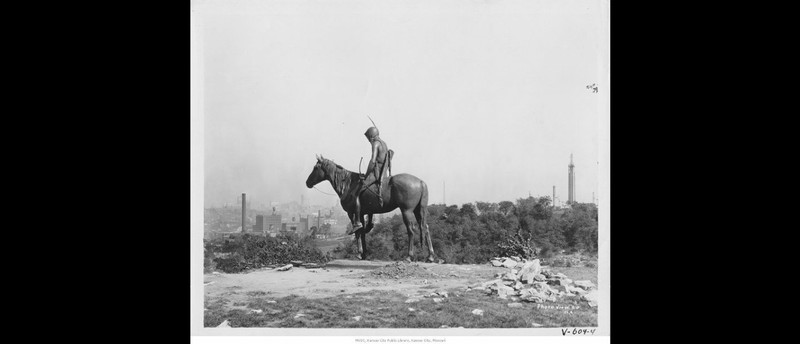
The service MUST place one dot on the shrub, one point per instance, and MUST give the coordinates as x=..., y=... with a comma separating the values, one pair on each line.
x=346, y=249
x=557, y=262
x=548, y=251
x=208, y=260
x=248, y=252
x=518, y=245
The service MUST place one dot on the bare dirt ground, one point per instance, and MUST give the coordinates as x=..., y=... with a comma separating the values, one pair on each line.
x=383, y=294
x=341, y=277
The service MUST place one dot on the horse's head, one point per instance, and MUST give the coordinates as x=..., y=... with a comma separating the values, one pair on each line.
x=318, y=174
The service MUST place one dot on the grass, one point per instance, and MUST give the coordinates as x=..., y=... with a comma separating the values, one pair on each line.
x=389, y=310
x=577, y=273
x=256, y=293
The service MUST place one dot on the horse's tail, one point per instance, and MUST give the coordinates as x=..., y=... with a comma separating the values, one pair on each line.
x=423, y=200
x=423, y=212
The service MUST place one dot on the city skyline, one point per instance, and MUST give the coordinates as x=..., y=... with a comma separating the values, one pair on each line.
x=554, y=198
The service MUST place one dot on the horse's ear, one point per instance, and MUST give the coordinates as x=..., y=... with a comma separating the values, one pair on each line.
x=318, y=158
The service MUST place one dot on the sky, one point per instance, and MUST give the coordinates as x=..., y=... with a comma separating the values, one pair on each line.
x=487, y=98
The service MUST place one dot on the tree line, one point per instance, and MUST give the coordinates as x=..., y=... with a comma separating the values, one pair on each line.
x=474, y=233
x=470, y=234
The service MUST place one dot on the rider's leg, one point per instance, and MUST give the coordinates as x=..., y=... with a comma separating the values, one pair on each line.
x=357, y=223
x=380, y=185
x=351, y=216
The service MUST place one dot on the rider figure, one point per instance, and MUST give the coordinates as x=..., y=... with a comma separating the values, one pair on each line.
x=375, y=172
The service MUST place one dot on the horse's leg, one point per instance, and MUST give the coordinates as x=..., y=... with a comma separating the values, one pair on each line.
x=408, y=220
x=421, y=214
x=353, y=221
x=369, y=225
x=358, y=244
x=362, y=234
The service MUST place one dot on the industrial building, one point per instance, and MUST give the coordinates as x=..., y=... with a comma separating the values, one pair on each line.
x=296, y=226
x=266, y=224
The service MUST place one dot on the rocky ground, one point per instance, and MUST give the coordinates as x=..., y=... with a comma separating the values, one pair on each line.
x=514, y=282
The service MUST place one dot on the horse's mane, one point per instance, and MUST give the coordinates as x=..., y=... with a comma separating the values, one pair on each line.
x=328, y=162
x=339, y=175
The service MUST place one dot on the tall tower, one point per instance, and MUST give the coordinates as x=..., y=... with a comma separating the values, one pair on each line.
x=571, y=191
x=244, y=211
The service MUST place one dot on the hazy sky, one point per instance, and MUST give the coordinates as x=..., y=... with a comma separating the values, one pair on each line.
x=487, y=96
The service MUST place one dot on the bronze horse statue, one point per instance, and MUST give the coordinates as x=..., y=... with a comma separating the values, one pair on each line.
x=403, y=191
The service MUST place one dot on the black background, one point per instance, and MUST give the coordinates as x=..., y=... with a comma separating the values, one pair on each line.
x=121, y=132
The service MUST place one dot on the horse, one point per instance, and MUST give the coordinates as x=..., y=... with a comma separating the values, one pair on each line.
x=403, y=191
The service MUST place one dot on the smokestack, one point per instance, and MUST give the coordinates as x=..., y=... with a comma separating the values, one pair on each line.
x=571, y=182
x=244, y=210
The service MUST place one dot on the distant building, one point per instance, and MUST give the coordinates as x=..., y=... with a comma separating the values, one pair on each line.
x=272, y=223
x=259, y=226
x=297, y=226
x=304, y=223
x=289, y=227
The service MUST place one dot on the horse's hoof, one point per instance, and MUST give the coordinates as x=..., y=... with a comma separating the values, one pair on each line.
x=431, y=260
x=407, y=260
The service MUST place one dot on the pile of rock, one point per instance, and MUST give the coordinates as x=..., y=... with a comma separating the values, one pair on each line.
x=528, y=281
